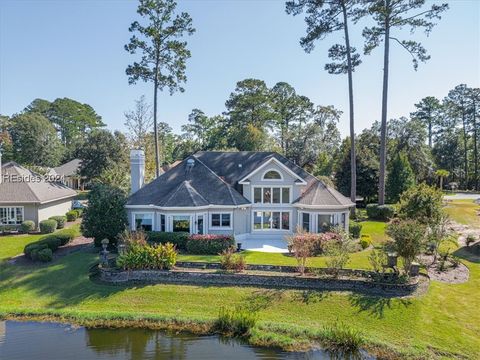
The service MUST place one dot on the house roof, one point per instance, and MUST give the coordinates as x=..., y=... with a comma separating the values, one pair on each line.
x=70, y=168
x=20, y=185
x=214, y=179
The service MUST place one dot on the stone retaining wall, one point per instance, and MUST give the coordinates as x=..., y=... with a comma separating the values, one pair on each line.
x=273, y=280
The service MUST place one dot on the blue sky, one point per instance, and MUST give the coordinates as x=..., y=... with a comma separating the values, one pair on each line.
x=51, y=49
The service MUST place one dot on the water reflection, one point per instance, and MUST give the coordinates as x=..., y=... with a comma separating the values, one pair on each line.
x=32, y=340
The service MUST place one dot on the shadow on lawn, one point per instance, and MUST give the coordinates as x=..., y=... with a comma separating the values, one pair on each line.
x=62, y=283
x=262, y=299
x=376, y=305
x=471, y=254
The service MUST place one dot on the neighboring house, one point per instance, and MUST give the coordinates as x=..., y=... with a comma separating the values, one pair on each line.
x=253, y=195
x=25, y=195
x=70, y=172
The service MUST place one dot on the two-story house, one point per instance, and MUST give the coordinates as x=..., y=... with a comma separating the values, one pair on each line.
x=253, y=195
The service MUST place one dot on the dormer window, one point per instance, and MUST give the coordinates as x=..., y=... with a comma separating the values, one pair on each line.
x=272, y=175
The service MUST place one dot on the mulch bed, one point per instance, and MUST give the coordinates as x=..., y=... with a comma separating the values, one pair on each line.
x=451, y=275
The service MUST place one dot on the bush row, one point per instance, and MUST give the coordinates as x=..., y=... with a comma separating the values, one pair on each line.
x=43, y=249
x=193, y=244
x=380, y=212
x=52, y=223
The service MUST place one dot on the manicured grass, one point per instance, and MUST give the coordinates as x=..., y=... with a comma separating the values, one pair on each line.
x=443, y=323
x=11, y=246
x=464, y=212
x=445, y=320
x=376, y=229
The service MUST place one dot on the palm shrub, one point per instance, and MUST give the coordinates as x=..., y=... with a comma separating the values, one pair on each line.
x=377, y=259
x=60, y=221
x=408, y=239
x=338, y=253
x=48, y=226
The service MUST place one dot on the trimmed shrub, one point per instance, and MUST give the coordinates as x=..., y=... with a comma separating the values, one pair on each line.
x=44, y=255
x=209, y=244
x=355, y=229
x=380, y=212
x=72, y=215
x=27, y=226
x=179, y=239
x=79, y=212
x=365, y=241
x=60, y=221
x=52, y=242
x=48, y=226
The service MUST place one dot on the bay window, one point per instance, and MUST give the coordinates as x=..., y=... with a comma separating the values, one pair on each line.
x=271, y=220
x=11, y=215
x=271, y=195
x=143, y=221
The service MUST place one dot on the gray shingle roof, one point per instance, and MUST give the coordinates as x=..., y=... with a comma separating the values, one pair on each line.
x=214, y=181
x=180, y=187
x=33, y=190
x=70, y=168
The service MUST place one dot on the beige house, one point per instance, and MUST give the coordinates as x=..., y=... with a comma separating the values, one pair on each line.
x=25, y=195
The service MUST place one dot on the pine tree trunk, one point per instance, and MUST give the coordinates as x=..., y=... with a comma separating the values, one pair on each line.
x=465, y=147
x=475, y=145
x=353, y=157
x=383, y=130
x=155, y=132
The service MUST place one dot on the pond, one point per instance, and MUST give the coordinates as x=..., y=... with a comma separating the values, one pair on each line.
x=52, y=341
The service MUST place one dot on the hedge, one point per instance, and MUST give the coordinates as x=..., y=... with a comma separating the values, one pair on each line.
x=380, y=212
x=27, y=226
x=48, y=226
x=60, y=221
x=50, y=242
x=179, y=239
x=72, y=215
x=209, y=244
x=355, y=229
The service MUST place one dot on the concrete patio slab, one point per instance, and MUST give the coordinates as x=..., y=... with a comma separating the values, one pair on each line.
x=263, y=245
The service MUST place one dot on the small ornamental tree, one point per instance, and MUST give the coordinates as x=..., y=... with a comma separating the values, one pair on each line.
x=400, y=178
x=408, y=239
x=105, y=217
x=422, y=203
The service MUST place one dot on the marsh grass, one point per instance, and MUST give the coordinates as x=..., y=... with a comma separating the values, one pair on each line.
x=341, y=337
x=235, y=321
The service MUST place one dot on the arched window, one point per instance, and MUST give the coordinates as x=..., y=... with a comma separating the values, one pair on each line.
x=272, y=175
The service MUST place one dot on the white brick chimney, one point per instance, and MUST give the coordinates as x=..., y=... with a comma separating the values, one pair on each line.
x=137, y=169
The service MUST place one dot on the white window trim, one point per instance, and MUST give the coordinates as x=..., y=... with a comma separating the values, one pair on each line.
x=14, y=207
x=280, y=164
x=211, y=227
x=290, y=194
x=262, y=210
x=169, y=221
x=132, y=225
x=272, y=169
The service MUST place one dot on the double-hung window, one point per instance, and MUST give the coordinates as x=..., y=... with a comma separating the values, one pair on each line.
x=221, y=220
x=11, y=215
x=271, y=195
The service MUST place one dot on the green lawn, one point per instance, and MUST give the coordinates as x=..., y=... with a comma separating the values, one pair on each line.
x=13, y=245
x=444, y=323
x=464, y=212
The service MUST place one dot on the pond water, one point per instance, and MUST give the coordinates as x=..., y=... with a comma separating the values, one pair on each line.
x=52, y=341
